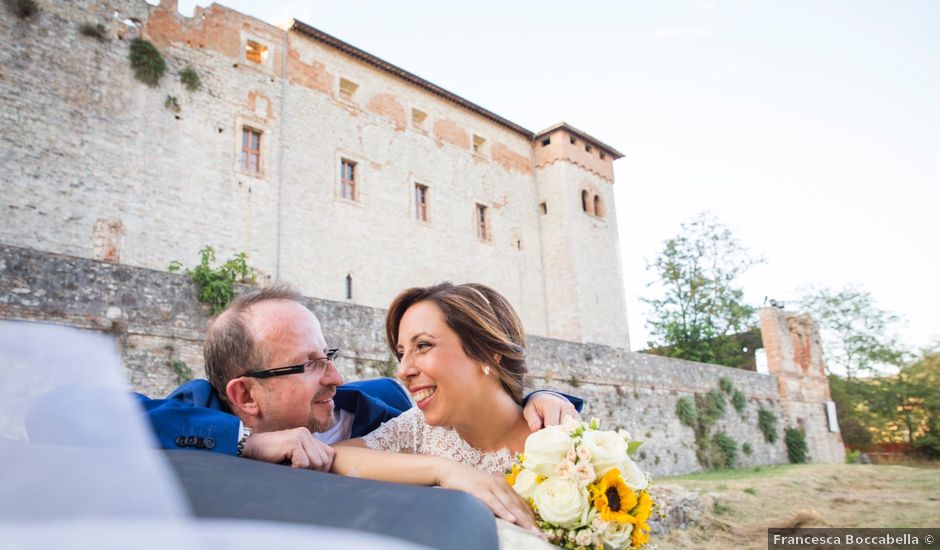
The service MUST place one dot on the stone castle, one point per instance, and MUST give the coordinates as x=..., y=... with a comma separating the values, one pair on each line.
x=335, y=171
x=349, y=178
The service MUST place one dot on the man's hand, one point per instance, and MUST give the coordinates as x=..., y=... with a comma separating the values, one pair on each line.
x=547, y=409
x=491, y=489
x=297, y=446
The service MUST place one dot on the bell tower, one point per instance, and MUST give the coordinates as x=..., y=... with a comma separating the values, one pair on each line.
x=583, y=276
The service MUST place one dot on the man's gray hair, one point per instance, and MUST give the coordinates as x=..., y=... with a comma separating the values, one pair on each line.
x=230, y=349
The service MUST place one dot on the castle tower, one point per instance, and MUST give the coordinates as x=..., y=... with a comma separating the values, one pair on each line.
x=584, y=296
x=795, y=356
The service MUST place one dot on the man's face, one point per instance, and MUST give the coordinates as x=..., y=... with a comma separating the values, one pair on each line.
x=289, y=334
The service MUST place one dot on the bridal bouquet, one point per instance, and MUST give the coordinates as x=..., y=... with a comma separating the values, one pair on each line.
x=585, y=489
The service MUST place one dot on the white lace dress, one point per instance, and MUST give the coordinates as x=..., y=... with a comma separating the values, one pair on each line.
x=409, y=433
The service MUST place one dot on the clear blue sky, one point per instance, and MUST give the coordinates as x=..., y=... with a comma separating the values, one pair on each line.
x=811, y=128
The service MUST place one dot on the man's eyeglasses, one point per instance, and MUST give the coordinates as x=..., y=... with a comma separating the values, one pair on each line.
x=313, y=364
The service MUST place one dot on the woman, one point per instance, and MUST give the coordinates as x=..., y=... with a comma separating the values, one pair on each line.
x=462, y=356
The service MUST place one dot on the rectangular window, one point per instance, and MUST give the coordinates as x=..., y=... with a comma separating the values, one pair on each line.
x=256, y=52
x=478, y=144
x=482, y=223
x=417, y=119
x=251, y=150
x=421, y=202
x=347, y=184
x=547, y=141
x=347, y=88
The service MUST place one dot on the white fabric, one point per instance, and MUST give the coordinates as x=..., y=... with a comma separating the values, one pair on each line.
x=341, y=431
x=409, y=433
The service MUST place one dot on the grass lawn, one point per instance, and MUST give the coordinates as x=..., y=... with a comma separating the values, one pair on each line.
x=742, y=504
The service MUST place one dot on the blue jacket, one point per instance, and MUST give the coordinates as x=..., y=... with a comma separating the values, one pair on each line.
x=193, y=416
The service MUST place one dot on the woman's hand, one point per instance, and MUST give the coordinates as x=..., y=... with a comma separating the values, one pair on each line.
x=491, y=489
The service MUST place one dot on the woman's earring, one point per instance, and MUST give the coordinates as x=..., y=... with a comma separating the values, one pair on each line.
x=486, y=370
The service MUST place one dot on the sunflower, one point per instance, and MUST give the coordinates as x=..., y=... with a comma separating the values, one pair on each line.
x=511, y=476
x=641, y=531
x=612, y=498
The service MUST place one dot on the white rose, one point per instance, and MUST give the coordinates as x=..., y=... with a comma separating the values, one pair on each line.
x=632, y=475
x=584, y=472
x=584, y=538
x=617, y=535
x=525, y=483
x=546, y=448
x=565, y=470
x=570, y=423
x=562, y=502
x=607, y=449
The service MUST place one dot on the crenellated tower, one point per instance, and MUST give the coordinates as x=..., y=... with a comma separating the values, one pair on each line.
x=583, y=275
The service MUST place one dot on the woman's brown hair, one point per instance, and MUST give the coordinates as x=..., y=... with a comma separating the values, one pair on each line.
x=482, y=318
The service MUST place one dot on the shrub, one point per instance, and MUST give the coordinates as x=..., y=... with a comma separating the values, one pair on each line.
x=94, y=30
x=24, y=8
x=795, y=439
x=714, y=405
x=685, y=410
x=147, y=62
x=746, y=449
x=727, y=449
x=183, y=372
x=725, y=385
x=739, y=401
x=190, y=78
x=172, y=104
x=217, y=284
x=852, y=456
x=767, y=421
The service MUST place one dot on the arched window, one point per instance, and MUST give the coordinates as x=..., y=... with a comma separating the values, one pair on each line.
x=348, y=287
x=584, y=200
x=598, y=206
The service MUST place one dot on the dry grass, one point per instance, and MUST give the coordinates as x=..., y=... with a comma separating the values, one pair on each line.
x=741, y=505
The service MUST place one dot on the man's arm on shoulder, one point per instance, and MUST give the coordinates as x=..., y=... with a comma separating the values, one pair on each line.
x=191, y=417
x=546, y=408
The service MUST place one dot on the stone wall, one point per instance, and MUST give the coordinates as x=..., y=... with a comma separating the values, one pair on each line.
x=157, y=321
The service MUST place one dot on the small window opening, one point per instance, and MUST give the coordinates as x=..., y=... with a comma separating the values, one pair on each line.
x=546, y=141
x=572, y=140
x=478, y=144
x=482, y=223
x=603, y=155
x=256, y=52
x=251, y=150
x=584, y=200
x=588, y=148
x=544, y=207
x=348, y=183
x=349, y=287
x=417, y=118
x=421, y=202
x=598, y=206
x=347, y=88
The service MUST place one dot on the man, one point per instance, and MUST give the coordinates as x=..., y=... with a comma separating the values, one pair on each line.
x=272, y=389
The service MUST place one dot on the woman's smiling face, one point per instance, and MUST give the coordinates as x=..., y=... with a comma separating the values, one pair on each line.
x=442, y=379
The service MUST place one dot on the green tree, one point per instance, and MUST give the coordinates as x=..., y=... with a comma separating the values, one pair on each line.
x=856, y=334
x=919, y=383
x=701, y=304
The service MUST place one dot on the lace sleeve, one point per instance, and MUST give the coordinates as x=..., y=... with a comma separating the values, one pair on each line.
x=398, y=435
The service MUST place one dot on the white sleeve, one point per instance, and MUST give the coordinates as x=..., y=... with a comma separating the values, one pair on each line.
x=398, y=435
